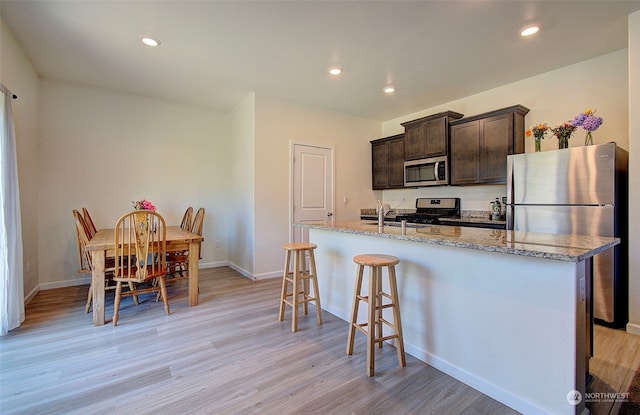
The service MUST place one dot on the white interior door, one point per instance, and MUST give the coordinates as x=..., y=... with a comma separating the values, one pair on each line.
x=312, y=187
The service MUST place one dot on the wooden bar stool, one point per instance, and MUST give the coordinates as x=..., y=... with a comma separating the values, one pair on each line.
x=299, y=279
x=373, y=326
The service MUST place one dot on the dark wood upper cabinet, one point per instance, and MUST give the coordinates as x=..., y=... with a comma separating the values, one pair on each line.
x=428, y=136
x=387, y=162
x=480, y=145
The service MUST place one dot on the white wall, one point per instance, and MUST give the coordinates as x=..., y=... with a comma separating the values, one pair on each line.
x=103, y=149
x=241, y=220
x=17, y=74
x=553, y=97
x=278, y=123
x=634, y=173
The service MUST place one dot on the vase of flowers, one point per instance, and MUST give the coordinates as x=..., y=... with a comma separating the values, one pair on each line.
x=142, y=221
x=144, y=204
x=564, y=132
x=589, y=122
x=538, y=132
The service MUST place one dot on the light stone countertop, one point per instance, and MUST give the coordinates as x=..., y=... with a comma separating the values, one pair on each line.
x=571, y=248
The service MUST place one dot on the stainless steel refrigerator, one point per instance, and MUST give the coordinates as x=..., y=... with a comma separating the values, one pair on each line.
x=581, y=190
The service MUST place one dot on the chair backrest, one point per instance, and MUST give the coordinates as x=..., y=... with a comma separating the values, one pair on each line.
x=198, y=221
x=140, y=246
x=186, y=219
x=87, y=219
x=82, y=234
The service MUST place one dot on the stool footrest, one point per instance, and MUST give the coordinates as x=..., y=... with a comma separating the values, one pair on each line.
x=361, y=327
x=300, y=301
x=385, y=338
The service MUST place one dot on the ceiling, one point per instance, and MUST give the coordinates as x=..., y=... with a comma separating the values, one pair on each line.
x=215, y=53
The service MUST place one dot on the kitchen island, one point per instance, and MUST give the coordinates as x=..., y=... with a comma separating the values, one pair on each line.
x=504, y=312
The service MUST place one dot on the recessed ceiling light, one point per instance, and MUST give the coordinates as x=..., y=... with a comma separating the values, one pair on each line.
x=335, y=71
x=149, y=41
x=529, y=31
x=389, y=89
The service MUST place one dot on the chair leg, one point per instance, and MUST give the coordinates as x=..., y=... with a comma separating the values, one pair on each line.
x=163, y=292
x=132, y=287
x=116, y=303
x=89, y=298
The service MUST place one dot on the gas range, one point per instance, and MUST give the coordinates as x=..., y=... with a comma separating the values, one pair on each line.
x=430, y=211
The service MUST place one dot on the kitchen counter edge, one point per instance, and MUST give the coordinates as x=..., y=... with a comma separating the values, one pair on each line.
x=570, y=248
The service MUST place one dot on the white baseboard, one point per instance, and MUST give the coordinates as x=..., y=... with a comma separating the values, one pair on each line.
x=217, y=264
x=86, y=280
x=255, y=277
x=31, y=294
x=267, y=275
x=241, y=270
x=633, y=328
x=66, y=283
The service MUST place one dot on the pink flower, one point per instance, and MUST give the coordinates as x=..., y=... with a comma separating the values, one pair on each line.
x=144, y=204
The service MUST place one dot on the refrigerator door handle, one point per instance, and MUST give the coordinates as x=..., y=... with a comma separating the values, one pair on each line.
x=509, y=218
x=510, y=186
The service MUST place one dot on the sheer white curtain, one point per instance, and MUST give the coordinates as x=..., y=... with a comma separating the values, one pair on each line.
x=11, y=285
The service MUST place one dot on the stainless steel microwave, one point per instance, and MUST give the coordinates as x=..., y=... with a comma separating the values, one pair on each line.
x=426, y=172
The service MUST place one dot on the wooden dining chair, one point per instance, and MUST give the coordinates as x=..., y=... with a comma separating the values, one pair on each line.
x=82, y=238
x=141, y=255
x=198, y=222
x=178, y=262
x=186, y=218
x=86, y=265
x=87, y=218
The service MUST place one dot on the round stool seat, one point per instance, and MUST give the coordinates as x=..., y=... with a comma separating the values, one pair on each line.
x=299, y=246
x=376, y=260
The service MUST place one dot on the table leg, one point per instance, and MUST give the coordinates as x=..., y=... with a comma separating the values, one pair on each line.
x=193, y=273
x=97, y=279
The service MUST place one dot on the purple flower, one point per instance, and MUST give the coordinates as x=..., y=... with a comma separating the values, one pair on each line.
x=579, y=119
x=591, y=123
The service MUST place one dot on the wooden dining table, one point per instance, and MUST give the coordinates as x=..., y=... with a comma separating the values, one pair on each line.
x=102, y=245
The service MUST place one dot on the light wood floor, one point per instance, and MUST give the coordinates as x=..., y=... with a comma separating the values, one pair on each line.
x=230, y=355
